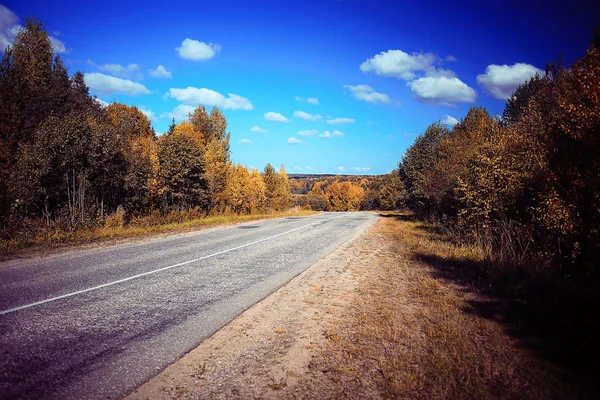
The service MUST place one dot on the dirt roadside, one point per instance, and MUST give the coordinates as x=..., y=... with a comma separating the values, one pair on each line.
x=268, y=351
x=374, y=319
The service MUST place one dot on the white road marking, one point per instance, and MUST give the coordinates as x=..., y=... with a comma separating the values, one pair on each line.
x=64, y=296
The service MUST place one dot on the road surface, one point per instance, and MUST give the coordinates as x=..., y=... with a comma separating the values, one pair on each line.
x=98, y=323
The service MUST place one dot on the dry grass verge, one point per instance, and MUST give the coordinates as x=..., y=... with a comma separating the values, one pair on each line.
x=413, y=334
x=51, y=239
x=374, y=319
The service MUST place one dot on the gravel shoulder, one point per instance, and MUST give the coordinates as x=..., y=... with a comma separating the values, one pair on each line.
x=270, y=350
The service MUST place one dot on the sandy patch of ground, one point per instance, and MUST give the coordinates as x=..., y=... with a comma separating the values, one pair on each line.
x=273, y=349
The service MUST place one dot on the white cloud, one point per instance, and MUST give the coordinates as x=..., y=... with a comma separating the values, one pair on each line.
x=119, y=70
x=297, y=168
x=273, y=116
x=160, y=72
x=207, y=97
x=57, y=45
x=328, y=134
x=245, y=141
x=309, y=100
x=148, y=113
x=306, y=116
x=258, y=129
x=334, y=121
x=293, y=140
x=399, y=64
x=361, y=169
x=309, y=132
x=108, y=85
x=312, y=100
x=450, y=58
x=367, y=93
x=9, y=27
x=198, y=51
x=442, y=90
x=449, y=120
x=180, y=113
x=103, y=103
x=500, y=81
x=340, y=168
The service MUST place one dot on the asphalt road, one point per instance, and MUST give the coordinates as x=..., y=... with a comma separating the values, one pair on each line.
x=98, y=323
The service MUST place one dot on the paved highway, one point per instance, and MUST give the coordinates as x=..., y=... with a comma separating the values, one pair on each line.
x=98, y=323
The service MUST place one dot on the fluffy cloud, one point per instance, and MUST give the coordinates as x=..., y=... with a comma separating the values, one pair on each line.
x=293, y=140
x=103, y=103
x=442, y=90
x=449, y=120
x=334, y=121
x=108, y=85
x=148, y=113
x=340, y=168
x=306, y=116
x=328, y=134
x=245, y=141
x=367, y=93
x=361, y=169
x=180, y=113
x=273, y=116
x=258, y=129
x=399, y=64
x=309, y=100
x=207, y=97
x=160, y=72
x=119, y=70
x=500, y=81
x=197, y=51
x=9, y=27
x=309, y=132
x=57, y=45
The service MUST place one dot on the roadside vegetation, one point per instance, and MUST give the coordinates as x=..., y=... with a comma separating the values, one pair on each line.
x=420, y=327
x=524, y=191
x=74, y=170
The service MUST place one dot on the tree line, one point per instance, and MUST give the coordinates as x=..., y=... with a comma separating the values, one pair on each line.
x=347, y=192
x=69, y=161
x=527, y=184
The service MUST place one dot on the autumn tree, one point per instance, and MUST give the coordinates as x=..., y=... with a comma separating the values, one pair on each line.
x=345, y=196
x=277, y=188
x=284, y=192
x=214, y=139
x=238, y=189
x=140, y=152
x=416, y=165
x=181, y=175
x=257, y=198
x=74, y=160
x=269, y=176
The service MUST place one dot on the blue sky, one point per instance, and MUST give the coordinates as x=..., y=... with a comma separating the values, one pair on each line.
x=328, y=86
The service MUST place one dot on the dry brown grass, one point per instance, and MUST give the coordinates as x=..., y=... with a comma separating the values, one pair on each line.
x=413, y=334
x=43, y=239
